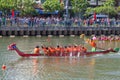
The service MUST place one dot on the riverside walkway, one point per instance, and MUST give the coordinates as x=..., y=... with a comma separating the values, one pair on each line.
x=40, y=26
x=58, y=30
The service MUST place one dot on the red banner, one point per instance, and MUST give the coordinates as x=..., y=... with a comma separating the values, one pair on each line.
x=13, y=14
x=95, y=16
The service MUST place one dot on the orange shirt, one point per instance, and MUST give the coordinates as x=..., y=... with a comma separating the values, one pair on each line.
x=52, y=50
x=46, y=51
x=84, y=49
x=93, y=44
x=74, y=49
x=36, y=50
x=69, y=49
x=58, y=49
x=65, y=50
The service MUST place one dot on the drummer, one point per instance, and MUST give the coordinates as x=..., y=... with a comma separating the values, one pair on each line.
x=93, y=44
x=36, y=50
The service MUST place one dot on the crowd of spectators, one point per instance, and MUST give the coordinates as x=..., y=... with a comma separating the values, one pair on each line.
x=56, y=21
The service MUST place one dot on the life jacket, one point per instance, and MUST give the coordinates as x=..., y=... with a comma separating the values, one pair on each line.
x=93, y=44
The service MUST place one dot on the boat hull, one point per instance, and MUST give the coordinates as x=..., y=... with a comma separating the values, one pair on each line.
x=60, y=54
x=68, y=54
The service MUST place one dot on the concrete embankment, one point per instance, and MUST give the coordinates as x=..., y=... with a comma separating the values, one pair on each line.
x=58, y=31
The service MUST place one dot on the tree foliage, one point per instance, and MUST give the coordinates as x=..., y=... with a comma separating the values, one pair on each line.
x=52, y=5
x=24, y=6
x=106, y=8
x=118, y=9
x=79, y=5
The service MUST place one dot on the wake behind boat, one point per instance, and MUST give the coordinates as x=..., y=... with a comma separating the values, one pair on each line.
x=61, y=54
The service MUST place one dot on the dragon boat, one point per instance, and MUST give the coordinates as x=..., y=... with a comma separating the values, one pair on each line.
x=88, y=53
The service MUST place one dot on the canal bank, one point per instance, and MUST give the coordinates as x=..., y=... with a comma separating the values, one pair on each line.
x=57, y=31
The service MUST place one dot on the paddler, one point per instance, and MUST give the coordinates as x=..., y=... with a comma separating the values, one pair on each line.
x=83, y=51
x=37, y=50
x=75, y=51
x=93, y=44
x=58, y=50
x=66, y=51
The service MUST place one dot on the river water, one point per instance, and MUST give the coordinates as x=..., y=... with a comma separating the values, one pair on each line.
x=99, y=67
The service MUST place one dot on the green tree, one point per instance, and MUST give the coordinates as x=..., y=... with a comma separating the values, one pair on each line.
x=79, y=6
x=6, y=6
x=106, y=8
x=52, y=5
x=24, y=6
x=118, y=9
